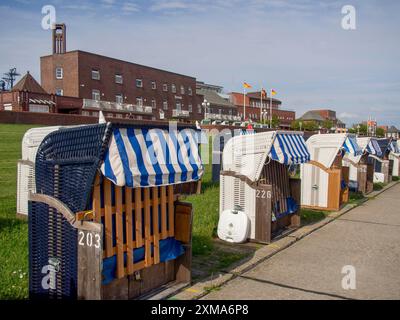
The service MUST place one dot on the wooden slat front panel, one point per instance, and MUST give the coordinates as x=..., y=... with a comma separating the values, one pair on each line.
x=140, y=217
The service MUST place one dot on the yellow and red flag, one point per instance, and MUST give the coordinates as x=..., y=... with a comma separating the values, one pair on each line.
x=273, y=92
x=246, y=85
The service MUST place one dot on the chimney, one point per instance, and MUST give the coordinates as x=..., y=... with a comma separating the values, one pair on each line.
x=59, y=38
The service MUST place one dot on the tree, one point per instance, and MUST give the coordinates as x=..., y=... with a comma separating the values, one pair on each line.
x=295, y=125
x=353, y=130
x=275, y=121
x=311, y=126
x=327, y=124
x=380, y=133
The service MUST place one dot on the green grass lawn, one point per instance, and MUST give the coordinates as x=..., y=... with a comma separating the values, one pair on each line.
x=14, y=232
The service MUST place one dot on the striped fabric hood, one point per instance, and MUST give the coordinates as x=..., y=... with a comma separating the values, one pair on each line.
x=152, y=157
x=289, y=149
x=374, y=148
x=350, y=146
x=247, y=154
x=394, y=147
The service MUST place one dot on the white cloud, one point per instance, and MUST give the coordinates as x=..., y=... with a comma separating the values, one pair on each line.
x=130, y=7
x=347, y=115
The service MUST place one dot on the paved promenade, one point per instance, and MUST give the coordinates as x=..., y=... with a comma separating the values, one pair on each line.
x=367, y=238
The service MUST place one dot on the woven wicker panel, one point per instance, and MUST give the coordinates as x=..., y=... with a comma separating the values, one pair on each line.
x=52, y=244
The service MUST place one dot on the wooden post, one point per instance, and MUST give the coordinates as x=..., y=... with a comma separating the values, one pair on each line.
x=295, y=192
x=164, y=232
x=156, y=234
x=108, y=218
x=263, y=218
x=183, y=264
x=138, y=217
x=129, y=228
x=147, y=234
x=119, y=232
x=97, y=199
x=171, y=231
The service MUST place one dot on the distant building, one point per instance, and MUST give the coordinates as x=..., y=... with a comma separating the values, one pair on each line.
x=28, y=95
x=320, y=116
x=257, y=112
x=220, y=108
x=392, y=132
x=117, y=87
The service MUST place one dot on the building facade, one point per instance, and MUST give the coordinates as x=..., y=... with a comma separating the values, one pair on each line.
x=115, y=85
x=258, y=110
x=215, y=105
x=323, y=115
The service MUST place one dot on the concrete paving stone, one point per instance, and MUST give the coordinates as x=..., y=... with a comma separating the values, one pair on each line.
x=367, y=238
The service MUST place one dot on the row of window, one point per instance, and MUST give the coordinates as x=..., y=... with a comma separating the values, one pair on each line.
x=264, y=104
x=256, y=116
x=139, y=101
x=139, y=82
x=219, y=111
x=116, y=115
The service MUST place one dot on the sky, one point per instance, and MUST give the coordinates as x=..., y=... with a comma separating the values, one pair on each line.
x=297, y=47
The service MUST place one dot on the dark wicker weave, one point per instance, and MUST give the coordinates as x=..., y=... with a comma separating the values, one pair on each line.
x=67, y=162
x=66, y=165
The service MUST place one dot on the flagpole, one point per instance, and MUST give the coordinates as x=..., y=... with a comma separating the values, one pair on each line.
x=270, y=110
x=261, y=105
x=244, y=104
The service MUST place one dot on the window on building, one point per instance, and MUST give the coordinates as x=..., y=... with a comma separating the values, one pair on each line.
x=96, y=95
x=153, y=103
x=173, y=88
x=139, y=101
x=59, y=92
x=182, y=90
x=153, y=85
x=190, y=92
x=190, y=108
x=178, y=105
x=165, y=105
x=95, y=113
x=165, y=87
x=119, y=98
x=139, y=83
x=59, y=73
x=85, y=113
x=118, y=115
x=38, y=108
x=199, y=108
x=119, y=79
x=95, y=74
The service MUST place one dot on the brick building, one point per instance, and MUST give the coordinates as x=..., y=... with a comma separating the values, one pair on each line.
x=114, y=85
x=322, y=115
x=257, y=113
x=218, y=106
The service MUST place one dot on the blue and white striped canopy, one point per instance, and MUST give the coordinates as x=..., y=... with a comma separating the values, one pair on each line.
x=351, y=146
x=289, y=149
x=394, y=147
x=374, y=148
x=152, y=157
x=246, y=132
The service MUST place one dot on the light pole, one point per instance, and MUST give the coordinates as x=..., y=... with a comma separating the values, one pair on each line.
x=206, y=105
